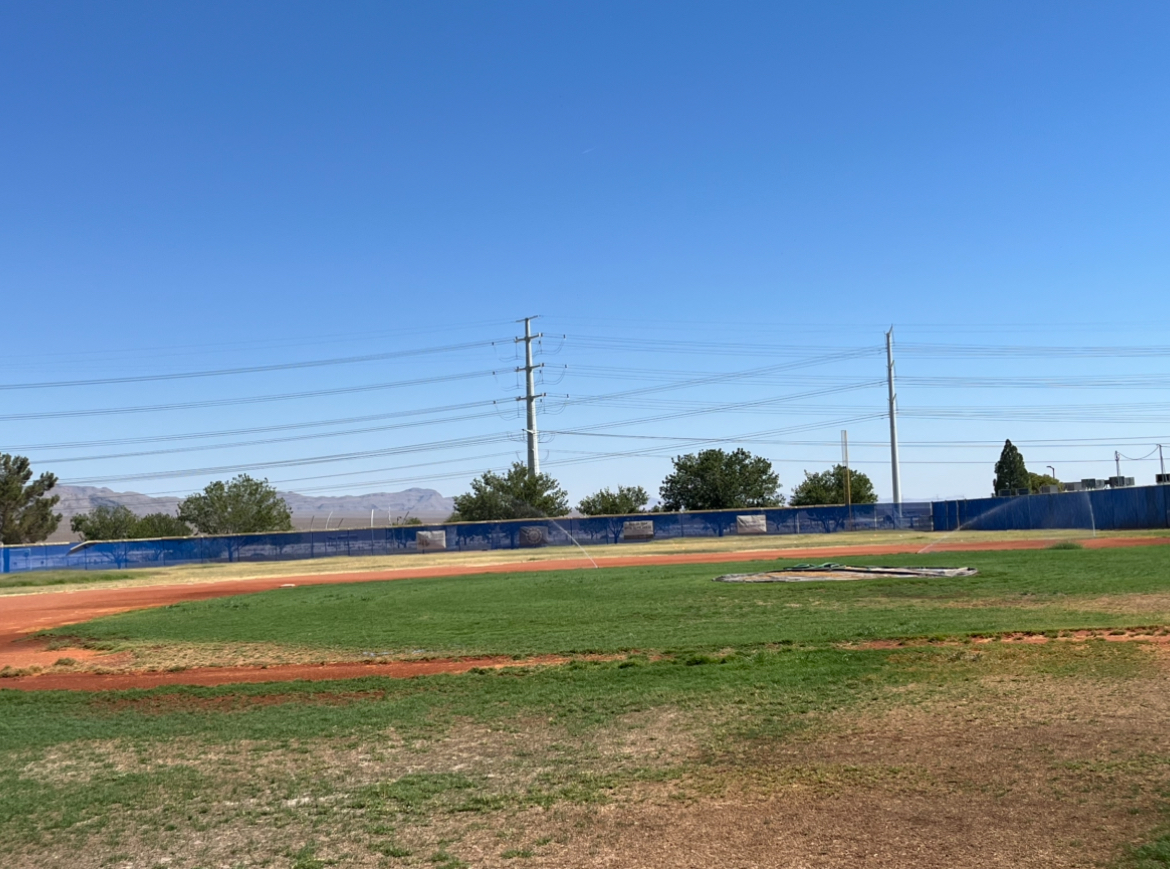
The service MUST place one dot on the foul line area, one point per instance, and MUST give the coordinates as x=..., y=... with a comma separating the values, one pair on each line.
x=26, y=614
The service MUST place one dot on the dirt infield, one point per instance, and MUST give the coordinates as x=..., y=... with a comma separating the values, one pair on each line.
x=22, y=615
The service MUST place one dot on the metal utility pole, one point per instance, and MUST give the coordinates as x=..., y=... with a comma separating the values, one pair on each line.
x=1117, y=461
x=1161, y=461
x=895, y=473
x=530, y=396
x=845, y=462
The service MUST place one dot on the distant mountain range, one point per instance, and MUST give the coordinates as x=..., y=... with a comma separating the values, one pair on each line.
x=425, y=504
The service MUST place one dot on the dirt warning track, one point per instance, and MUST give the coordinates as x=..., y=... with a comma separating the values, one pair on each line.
x=25, y=614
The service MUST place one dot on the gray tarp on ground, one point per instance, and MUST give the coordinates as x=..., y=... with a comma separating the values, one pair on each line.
x=835, y=572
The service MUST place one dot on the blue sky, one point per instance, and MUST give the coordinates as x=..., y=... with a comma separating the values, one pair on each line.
x=678, y=189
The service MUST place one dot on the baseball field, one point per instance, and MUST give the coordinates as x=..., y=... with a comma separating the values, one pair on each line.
x=635, y=714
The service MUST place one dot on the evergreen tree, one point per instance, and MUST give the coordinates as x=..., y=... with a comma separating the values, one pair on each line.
x=1010, y=472
x=828, y=487
x=26, y=510
x=513, y=495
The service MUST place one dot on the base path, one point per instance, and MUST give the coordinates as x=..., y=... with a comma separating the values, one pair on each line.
x=22, y=615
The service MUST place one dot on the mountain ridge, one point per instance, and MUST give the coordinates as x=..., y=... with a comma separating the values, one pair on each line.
x=429, y=505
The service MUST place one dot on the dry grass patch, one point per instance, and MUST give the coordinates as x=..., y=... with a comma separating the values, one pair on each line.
x=999, y=772
x=1005, y=755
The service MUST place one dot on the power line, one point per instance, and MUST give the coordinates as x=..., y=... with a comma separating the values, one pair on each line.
x=1142, y=381
x=1033, y=350
x=255, y=399
x=253, y=369
x=112, y=442
x=173, y=350
x=718, y=348
x=721, y=408
x=454, y=443
x=281, y=440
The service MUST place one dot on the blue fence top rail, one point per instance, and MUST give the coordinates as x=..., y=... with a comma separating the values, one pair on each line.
x=462, y=537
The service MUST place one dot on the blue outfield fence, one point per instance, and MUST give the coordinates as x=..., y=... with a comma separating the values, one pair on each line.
x=1125, y=509
x=462, y=537
x=1103, y=510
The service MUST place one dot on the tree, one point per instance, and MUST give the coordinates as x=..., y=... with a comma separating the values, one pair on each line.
x=1035, y=481
x=513, y=495
x=160, y=525
x=1010, y=471
x=627, y=499
x=717, y=480
x=105, y=522
x=828, y=487
x=26, y=510
x=119, y=522
x=240, y=506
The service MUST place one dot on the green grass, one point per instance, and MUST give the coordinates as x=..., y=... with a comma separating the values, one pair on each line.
x=658, y=608
x=751, y=667
x=63, y=577
x=771, y=693
x=579, y=696
x=1153, y=855
x=750, y=699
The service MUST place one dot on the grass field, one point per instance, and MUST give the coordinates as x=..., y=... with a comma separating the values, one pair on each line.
x=20, y=583
x=723, y=725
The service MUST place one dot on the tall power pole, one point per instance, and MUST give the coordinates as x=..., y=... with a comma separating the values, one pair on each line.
x=895, y=473
x=845, y=462
x=530, y=396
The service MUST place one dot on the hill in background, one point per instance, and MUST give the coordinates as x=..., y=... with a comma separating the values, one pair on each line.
x=350, y=510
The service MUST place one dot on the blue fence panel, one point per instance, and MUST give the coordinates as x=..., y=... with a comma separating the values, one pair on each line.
x=1101, y=509
x=1127, y=509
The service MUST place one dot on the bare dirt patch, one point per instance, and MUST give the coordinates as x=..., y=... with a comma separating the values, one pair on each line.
x=210, y=676
x=1045, y=773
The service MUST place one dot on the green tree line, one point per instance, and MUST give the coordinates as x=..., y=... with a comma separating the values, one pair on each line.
x=712, y=479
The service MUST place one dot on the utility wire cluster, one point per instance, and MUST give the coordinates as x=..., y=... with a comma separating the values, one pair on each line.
x=790, y=388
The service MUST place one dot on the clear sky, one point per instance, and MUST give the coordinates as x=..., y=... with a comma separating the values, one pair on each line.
x=678, y=189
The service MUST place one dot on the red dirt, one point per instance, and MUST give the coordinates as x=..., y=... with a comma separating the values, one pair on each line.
x=90, y=681
x=21, y=615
